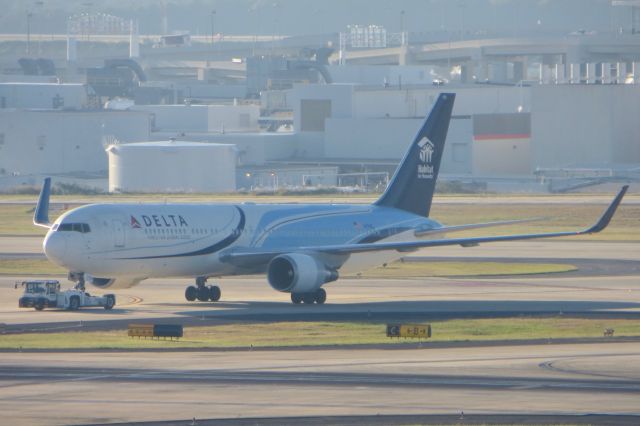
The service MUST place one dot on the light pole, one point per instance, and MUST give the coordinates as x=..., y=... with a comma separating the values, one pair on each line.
x=38, y=5
x=88, y=6
x=213, y=17
x=521, y=106
x=402, y=36
x=461, y=6
x=29, y=16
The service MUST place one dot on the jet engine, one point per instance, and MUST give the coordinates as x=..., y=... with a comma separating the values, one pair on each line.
x=298, y=273
x=120, y=282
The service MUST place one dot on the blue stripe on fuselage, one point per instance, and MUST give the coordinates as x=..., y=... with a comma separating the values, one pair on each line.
x=372, y=224
x=272, y=220
x=317, y=226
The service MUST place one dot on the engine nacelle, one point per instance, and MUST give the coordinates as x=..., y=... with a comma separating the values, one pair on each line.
x=298, y=273
x=120, y=282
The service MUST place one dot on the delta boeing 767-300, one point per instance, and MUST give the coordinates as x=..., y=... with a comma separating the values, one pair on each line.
x=300, y=247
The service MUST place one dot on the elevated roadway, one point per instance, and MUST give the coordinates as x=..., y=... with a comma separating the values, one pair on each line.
x=570, y=49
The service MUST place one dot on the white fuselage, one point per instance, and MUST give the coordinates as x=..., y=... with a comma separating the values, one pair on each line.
x=138, y=241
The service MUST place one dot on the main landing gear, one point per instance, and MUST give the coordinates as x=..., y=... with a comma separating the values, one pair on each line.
x=319, y=296
x=201, y=292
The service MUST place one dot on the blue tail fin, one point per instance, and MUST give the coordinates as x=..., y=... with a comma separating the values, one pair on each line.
x=414, y=181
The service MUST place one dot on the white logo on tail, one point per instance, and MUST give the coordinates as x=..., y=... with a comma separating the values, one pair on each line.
x=425, y=170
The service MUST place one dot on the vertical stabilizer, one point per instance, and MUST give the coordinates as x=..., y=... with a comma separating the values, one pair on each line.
x=412, y=186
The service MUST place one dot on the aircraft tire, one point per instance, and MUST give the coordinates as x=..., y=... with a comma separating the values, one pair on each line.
x=203, y=294
x=191, y=293
x=214, y=293
x=111, y=301
x=309, y=298
x=296, y=298
x=321, y=296
x=74, y=304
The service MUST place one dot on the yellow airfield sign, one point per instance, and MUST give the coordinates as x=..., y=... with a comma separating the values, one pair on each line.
x=420, y=331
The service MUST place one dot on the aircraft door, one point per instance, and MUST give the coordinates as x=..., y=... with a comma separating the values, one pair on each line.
x=118, y=233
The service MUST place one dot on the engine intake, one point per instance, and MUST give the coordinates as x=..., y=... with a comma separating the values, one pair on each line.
x=298, y=273
x=120, y=282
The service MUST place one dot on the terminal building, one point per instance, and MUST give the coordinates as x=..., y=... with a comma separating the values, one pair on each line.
x=66, y=144
x=496, y=131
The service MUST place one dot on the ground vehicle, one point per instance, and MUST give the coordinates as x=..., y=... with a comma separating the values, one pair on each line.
x=42, y=294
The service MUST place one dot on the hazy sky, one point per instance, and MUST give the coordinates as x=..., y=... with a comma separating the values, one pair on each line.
x=324, y=16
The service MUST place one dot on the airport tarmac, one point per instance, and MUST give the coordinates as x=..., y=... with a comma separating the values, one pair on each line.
x=534, y=379
x=609, y=282
x=251, y=298
x=103, y=387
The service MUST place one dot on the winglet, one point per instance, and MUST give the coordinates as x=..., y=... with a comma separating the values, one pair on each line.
x=41, y=215
x=608, y=214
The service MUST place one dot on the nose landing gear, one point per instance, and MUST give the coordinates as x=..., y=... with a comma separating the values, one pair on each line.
x=202, y=292
x=78, y=278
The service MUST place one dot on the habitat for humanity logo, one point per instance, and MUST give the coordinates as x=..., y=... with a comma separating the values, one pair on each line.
x=425, y=168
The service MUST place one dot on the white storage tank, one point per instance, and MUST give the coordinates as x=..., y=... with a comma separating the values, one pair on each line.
x=172, y=166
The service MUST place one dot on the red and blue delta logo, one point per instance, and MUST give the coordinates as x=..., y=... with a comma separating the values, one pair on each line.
x=134, y=223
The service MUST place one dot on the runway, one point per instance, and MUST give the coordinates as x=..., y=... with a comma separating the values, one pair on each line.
x=100, y=387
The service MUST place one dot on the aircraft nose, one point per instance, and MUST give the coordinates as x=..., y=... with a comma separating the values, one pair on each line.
x=55, y=247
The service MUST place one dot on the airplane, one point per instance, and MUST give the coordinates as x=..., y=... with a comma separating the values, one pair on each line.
x=300, y=247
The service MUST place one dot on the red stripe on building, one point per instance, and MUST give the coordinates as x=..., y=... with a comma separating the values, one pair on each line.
x=501, y=136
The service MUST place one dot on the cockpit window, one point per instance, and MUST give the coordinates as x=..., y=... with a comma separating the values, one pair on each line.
x=77, y=227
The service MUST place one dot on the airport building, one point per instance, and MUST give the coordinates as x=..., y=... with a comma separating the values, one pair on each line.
x=46, y=95
x=202, y=118
x=60, y=142
x=527, y=108
x=498, y=131
x=593, y=126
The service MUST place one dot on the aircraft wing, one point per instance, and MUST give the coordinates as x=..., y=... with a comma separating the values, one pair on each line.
x=257, y=255
x=458, y=228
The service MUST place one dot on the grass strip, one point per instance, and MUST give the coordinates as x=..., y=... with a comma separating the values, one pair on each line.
x=29, y=266
x=286, y=334
x=461, y=269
